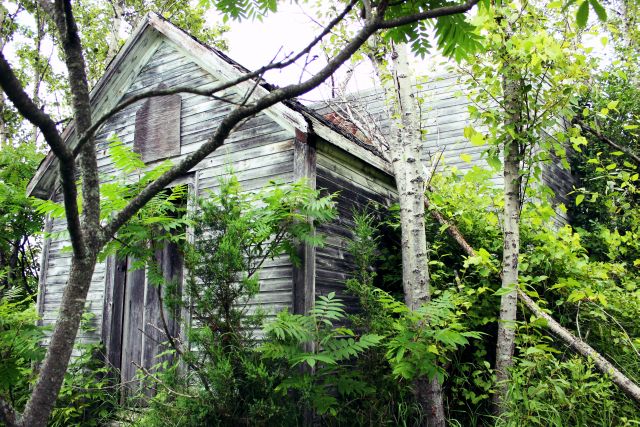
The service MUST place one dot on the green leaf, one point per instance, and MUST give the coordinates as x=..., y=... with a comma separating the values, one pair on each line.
x=599, y=9
x=579, y=199
x=582, y=15
x=504, y=290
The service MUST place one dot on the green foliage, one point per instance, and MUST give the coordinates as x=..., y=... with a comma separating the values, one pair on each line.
x=162, y=220
x=425, y=338
x=608, y=178
x=239, y=10
x=318, y=343
x=582, y=13
x=88, y=396
x=546, y=391
x=234, y=232
x=20, y=223
x=96, y=24
x=19, y=347
x=19, y=252
x=455, y=36
x=597, y=299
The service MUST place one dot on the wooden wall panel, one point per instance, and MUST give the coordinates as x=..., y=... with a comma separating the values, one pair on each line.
x=54, y=275
x=358, y=187
x=259, y=150
x=157, y=128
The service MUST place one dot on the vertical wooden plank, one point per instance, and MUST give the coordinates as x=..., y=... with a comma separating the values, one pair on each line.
x=112, y=322
x=133, y=321
x=44, y=262
x=192, y=206
x=304, y=276
x=153, y=335
x=169, y=260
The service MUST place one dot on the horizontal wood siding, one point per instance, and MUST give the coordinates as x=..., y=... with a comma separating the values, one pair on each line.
x=359, y=187
x=56, y=273
x=258, y=150
x=444, y=112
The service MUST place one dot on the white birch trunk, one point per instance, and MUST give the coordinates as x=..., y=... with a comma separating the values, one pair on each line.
x=405, y=149
x=511, y=237
x=113, y=38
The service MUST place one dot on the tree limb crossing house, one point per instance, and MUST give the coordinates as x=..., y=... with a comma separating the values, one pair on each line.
x=285, y=143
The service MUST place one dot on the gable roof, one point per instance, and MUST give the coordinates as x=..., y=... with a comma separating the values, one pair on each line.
x=126, y=65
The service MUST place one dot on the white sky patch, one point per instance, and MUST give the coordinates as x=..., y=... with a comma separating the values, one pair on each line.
x=256, y=43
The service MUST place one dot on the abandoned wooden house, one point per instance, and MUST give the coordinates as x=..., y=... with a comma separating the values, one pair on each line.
x=285, y=142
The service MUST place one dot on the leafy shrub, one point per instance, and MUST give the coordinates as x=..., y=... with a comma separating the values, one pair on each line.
x=88, y=396
x=547, y=391
x=326, y=350
x=19, y=347
x=227, y=382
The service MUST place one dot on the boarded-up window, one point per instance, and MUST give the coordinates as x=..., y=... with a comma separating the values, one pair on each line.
x=157, y=134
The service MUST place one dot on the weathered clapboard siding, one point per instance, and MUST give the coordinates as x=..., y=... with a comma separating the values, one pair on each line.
x=55, y=273
x=359, y=187
x=259, y=150
x=444, y=113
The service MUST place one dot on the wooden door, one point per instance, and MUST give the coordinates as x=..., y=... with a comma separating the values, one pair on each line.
x=136, y=330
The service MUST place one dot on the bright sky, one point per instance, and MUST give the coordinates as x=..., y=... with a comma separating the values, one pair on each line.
x=254, y=44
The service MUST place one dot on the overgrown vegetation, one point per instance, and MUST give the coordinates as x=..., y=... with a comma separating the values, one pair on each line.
x=233, y=360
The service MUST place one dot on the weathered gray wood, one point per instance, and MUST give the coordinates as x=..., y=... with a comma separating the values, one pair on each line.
x=304, y=275
x=114, y=310
x=44, y=264
x=133, y=322
x=213, y=62
x=157, y=134
x=154, y=337
x=359, y=187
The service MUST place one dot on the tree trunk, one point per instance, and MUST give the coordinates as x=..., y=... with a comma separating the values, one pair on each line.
x=511, y=236
x=84, y=233
x=55, y=365
x=3, y=125
x=405, y=148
